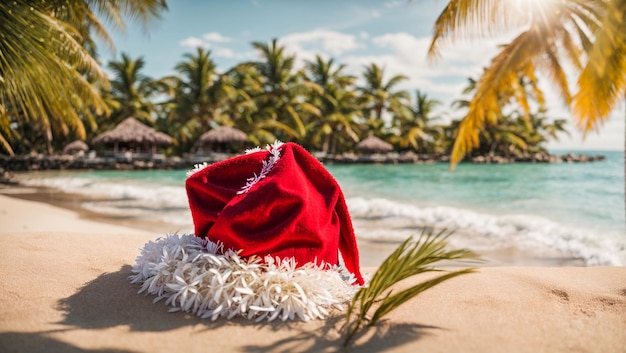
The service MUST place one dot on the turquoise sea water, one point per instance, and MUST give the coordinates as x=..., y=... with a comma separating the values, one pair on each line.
x=572, y=211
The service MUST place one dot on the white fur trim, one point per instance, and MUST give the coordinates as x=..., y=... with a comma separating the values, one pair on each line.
x=197, y=276
x=267, y=165
x=197, y=168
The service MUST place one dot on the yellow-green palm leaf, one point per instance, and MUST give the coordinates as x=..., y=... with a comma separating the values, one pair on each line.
x=602, y=83
x=40, y=60
x=499, y=84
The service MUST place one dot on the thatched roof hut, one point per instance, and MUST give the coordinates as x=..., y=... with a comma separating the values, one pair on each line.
x=222, y=138
x=223, y=134
x=133, y=134
x=373, y=144
x=132, y=131
x=75, y=147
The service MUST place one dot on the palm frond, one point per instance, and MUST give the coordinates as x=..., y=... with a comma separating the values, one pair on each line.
x=297, y=120
x=5, y=131
x=494, y=87
x=473, y=17
x=602, y=84
x=394, y=81
x=411, y=258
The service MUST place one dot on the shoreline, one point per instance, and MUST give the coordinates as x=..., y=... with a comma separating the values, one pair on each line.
x=66, y=289
x=40, y=162
x=71, y=202
x=372, y=252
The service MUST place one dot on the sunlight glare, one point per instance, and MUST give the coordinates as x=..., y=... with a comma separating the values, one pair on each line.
x=533, y=7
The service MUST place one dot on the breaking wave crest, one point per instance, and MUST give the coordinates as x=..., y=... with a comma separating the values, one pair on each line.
x=383, y=219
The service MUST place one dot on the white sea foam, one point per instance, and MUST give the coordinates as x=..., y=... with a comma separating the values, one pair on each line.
x=154, y=195
x=149, y=201
x=382, y=219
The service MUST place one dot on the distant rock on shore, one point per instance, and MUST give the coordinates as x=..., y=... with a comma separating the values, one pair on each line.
x=411, y=157
x=66, y=162
x=36, y=162
x=538, y=158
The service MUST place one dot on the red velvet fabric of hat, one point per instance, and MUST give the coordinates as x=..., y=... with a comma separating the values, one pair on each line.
x=280, y=202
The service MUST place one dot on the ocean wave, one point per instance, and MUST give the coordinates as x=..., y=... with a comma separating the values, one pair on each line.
x=153, y=195
x=388, y=220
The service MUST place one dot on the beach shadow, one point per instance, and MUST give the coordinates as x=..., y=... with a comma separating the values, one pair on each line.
x=379, y=338
x=387, y=336
x=40, y=342
x=111, y=300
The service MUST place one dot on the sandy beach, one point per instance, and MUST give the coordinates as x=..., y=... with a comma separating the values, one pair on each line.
x=65, y=288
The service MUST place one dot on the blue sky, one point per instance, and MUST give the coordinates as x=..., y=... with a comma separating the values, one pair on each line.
x=394, y=34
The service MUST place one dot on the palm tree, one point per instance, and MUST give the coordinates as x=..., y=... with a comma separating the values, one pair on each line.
x=337, y=128
x=241, y=109
x=379, y=96
x=338, y=106
x=328, y=75
x=247, y=83
x=506, y=137
x=553, y=128
x=202, y=91
x=200, y=96
x=39, y=74
x=540, y=129
x=589, y=35
x=415, y=130
x=133, y=91
x=281, y=102
x=517, y=132
x=47, y=76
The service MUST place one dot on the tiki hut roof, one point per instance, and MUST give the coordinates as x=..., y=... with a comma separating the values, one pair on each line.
x=223, y=134
x=132, y=131
x=75, y=147
x=373, y=144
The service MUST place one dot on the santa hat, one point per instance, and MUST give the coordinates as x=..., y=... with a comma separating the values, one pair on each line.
x=269, y=227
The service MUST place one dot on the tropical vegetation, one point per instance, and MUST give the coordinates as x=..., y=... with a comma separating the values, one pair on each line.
x=52, y=88
x=588, y=37
x=318, y=105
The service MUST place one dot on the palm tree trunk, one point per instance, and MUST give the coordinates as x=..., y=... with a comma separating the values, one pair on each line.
x=325, y=144
x=49, y=139
x=333, y=144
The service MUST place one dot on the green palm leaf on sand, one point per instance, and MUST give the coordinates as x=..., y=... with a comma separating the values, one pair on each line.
x=411, y=258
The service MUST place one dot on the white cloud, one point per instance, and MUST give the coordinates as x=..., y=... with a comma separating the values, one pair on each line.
x=405, y=54
x=225, y=53
x=394, y=3
x=205, y=42
x=215, y=37
x=333, y=42
x=406, y=48
x=228, y=53
x=193, y=42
